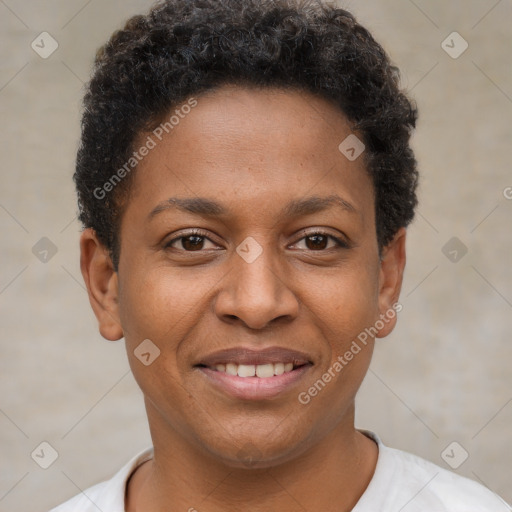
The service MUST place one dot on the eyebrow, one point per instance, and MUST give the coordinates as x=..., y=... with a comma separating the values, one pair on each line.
x=210, y=208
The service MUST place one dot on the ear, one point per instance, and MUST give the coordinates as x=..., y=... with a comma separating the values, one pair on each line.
x=390, y=282
x=102, y=285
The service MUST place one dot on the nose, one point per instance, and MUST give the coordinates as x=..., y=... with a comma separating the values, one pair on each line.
x=257, y=294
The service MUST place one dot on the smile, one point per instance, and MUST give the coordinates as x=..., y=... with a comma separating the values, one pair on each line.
x=248, y=374
x=262, y=371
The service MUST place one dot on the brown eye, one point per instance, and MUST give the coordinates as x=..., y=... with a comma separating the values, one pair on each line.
x=317, y=242
x=320, y=242
x=193, y=241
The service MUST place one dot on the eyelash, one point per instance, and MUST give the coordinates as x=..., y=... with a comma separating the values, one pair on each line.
x=341, y=244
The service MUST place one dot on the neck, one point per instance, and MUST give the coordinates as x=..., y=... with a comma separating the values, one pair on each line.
x=329, y=475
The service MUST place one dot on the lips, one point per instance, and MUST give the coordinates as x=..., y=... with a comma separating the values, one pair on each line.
x=254, y=374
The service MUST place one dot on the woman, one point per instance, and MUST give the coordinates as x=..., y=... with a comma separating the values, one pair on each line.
x=245, y=182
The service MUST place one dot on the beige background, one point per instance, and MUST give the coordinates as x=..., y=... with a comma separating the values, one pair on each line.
x=442, y=376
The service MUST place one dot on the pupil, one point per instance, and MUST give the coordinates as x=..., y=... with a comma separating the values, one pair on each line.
x=194, y=245
x=316, y=238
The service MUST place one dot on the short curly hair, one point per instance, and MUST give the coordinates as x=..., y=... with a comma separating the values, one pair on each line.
x=184, y=47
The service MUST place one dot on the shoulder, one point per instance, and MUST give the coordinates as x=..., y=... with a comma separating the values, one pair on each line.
x=404, y=481
x=108, y=495
x=438, y=486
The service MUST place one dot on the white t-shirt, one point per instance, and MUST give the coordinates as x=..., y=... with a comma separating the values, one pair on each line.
x=402, y=482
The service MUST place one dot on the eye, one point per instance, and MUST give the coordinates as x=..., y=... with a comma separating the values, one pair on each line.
x=195, y=240
x=192, y=241
x=319, y=241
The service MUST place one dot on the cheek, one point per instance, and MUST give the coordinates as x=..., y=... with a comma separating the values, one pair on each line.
x=157, y=311
x=347, y=303
x=165, y=307
x=349, y=310
x=158, y=304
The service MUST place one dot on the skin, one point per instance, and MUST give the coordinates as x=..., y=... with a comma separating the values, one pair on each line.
x=253, y=151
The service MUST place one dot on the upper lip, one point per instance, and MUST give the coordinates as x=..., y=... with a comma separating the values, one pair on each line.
x=247, y=356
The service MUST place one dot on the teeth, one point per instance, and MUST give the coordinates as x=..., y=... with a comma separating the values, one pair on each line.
x=262, y=371
x=278, y=369
x=231, y=369
x=246, y=370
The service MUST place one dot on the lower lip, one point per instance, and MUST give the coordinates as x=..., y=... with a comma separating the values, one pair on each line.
x=254, y=388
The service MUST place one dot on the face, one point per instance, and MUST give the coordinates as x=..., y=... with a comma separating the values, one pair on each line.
x=249, y=245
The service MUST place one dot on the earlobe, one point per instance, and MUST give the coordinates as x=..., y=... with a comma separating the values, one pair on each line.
x=102, y=284
x=390, y=281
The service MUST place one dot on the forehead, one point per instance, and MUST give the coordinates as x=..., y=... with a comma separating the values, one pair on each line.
x=242, y=144
x=292, y=122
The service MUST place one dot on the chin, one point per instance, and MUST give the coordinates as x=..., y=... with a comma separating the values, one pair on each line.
x=250, y=452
